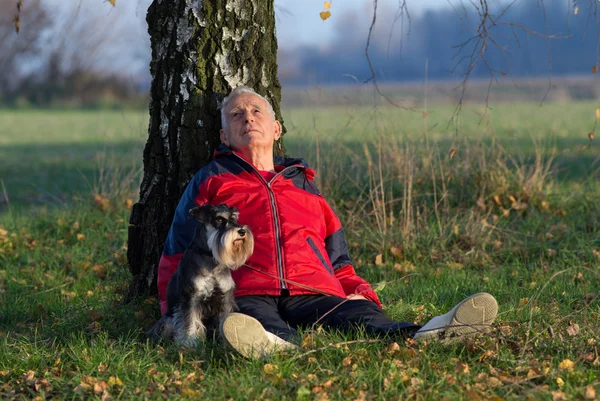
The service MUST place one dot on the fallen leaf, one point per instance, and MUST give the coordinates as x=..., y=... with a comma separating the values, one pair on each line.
x=270, y=369
x=589, y=392
x=559, y=396
x=566, y=364
x=573, y=329
x=379, y=259
x=327, y=5
x=100, y=271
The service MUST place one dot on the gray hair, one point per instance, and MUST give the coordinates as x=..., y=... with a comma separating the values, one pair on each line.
x=236, y=92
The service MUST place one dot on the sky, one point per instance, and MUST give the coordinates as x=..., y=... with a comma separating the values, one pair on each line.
x=298, y=21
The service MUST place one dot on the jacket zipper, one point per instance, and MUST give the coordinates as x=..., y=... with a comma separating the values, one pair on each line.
x=275, y=217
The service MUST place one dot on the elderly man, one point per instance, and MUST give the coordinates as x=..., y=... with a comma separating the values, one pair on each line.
x=300, y=272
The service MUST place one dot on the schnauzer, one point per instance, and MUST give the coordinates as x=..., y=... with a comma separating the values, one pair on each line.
x=201, y=289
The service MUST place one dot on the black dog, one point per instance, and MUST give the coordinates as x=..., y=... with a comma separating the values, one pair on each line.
x=201, y=289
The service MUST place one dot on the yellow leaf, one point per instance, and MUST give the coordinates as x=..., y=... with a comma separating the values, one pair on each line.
x=597, y=114
x=560, y=382
x=566, y=364
x=379, y=259
x=326, y=14
x=114, y=381
x=80, y=237
x=270, y=368
x=327, y=5
x=113, y=2
x=594, y=68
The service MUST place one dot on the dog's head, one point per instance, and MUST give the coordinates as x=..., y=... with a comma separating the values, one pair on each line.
x=231, y=244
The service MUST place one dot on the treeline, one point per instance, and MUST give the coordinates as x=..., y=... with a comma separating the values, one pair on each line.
x=529, y=39
x=80, y=54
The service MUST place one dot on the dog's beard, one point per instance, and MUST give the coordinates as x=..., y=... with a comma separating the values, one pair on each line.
x=229, y=248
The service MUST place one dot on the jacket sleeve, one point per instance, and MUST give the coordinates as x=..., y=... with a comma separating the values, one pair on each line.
x=180, y=234
x=337, y=250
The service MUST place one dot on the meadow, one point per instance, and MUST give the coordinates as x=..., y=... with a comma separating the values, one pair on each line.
x=505, y=201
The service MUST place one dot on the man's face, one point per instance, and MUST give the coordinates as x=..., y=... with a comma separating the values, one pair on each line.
x=249, y=124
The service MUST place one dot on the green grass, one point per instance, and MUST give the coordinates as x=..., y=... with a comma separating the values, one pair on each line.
x=445, y=227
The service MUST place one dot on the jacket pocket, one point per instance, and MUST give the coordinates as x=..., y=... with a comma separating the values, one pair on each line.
x=319, y=255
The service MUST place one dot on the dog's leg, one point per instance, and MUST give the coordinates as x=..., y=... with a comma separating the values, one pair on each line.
x=189, y=329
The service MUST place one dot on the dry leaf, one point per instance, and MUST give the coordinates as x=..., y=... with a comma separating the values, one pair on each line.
x=573, y=329
x=452, y=153
x=576, y=10
x=566, y=364
x=80, y=237
x=379, y=260
x=324, y=15
x=591, y=136
x=100, y=271
x=594, y=69
x=327, y=5
x=113, y=2
x=114, y=381
x=589, y=392
x=559, y=396
x=397, y=252
x=425, y=114
x=270, y=369
x=502, y=73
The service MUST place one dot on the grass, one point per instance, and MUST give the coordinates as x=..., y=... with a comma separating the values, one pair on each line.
x=513, y=211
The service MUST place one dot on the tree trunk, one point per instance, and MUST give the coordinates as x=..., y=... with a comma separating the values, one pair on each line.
x=201, y=50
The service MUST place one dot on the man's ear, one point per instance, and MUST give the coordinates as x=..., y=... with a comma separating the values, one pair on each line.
x=223, y=136
x=277, y=130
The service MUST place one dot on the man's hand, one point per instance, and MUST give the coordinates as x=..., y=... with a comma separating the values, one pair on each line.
x=353, y=297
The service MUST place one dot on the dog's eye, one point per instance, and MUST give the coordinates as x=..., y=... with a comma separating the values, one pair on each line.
x=221, y=220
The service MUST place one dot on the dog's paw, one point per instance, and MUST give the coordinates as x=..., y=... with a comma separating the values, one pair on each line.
x=161, y=331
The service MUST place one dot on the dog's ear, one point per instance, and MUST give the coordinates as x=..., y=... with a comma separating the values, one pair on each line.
x=201, y=213
x=235, y=213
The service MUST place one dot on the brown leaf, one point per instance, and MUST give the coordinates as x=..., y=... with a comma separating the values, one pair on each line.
x=589, y=392
x=573, y=329
x=397, y=252
x=95, y=316
x=101, y=202
x=113, y=2
x=324, y=15
x=591, y=136
x=594, y=69
x=379, y=260
x=559, y=396
x=452, y=153
x=502, y=73
x=100, y=271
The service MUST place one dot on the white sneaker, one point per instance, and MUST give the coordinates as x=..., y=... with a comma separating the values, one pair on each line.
x=247, y=336
x=472, y=315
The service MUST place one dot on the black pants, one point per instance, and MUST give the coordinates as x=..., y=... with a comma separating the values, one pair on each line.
x=282, y=315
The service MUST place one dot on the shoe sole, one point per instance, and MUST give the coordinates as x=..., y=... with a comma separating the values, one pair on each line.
x=473, y=315
x=245, y=335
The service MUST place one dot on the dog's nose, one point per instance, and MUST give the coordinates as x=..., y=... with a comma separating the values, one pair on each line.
x=241, y=232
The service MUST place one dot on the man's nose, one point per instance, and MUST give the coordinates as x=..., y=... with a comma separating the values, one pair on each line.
x=248, y=116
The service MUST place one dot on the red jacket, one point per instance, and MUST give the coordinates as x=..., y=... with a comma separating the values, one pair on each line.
x=297, y=235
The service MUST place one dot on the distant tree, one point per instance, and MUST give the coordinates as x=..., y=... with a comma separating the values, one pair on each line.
x=201, y=50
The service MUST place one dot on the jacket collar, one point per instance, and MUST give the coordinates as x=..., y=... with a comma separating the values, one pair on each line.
x=224, y=150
